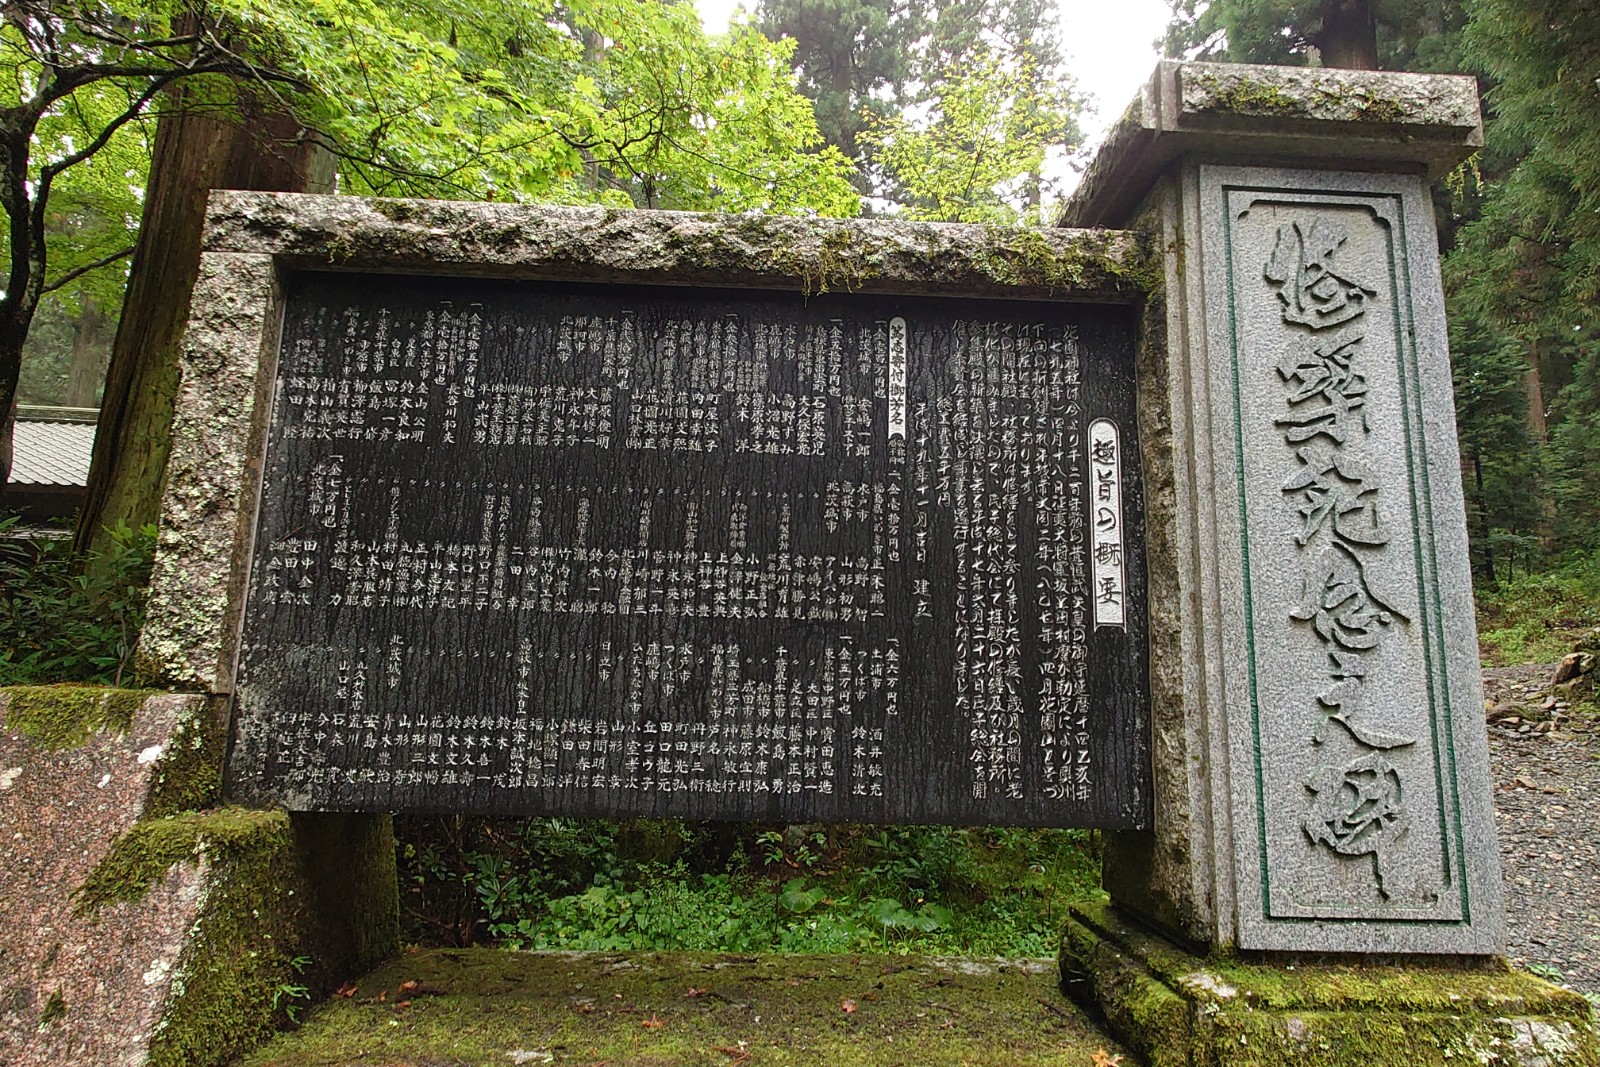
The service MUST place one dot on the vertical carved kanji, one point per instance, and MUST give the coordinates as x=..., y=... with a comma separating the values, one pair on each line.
x=1357, y=809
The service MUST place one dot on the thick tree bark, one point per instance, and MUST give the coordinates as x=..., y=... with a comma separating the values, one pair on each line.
x=1349, y=35
x=195, y=151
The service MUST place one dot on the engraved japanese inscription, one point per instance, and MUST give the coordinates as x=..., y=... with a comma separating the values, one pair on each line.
x=545, y=548
x=1352, y=737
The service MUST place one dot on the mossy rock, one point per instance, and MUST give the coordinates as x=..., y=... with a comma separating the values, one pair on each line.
x=289, y=907
x=1182, y=1010
x=56, y=717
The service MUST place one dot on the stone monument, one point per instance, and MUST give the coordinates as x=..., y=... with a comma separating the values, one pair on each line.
x=1321, y=768
x=1149, y=522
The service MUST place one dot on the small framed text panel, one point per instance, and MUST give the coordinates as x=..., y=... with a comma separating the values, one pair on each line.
x=531, y=548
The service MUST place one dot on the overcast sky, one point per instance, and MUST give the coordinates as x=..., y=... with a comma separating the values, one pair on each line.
x=1110, y=44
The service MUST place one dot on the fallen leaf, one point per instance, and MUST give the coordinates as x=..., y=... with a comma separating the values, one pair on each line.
x=693, y=992
x=383, y=995
x=847, y=1006
x=1102, y=1058
x=736, y=1053
x=652, y=1023
x=401, y=1004
x=348, y=990
x=408, y=986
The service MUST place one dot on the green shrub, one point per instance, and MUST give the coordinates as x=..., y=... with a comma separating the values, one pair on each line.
x=1536, y=618
x=66, y=617
x=643, y=885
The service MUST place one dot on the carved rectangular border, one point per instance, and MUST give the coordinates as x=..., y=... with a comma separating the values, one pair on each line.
x=1358, y=803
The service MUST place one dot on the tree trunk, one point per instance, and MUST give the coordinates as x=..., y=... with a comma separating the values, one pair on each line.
x=1533, y=387
x=196, y=150
x=86, y=368
x=7, y=432
x=1485, y=566
x=1349, y=35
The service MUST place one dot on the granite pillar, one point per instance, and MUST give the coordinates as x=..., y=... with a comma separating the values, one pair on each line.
x=1323, y=864
x=1322, y=776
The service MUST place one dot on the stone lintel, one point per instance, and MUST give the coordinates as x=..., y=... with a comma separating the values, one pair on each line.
x=1178, y=1009
x=592, y=244
x=1307, y=116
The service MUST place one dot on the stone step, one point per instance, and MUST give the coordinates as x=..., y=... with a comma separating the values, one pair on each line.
x=487, y=1007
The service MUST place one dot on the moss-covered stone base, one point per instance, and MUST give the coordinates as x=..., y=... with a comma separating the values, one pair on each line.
x=140, y=922
x=1181, y=1010
x=271, y=932
x=485, y=1007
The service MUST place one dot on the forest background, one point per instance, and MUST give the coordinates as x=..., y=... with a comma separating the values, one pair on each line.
x=116, y=116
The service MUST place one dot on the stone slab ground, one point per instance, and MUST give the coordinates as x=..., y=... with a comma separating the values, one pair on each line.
x=484, y=1007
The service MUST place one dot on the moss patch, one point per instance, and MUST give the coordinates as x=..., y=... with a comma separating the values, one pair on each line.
x=144, y=854
x=347, y=862
x=65, y=716
x=245, y=944
x=54, y=1008
x=188, y=776
x=1094, y=261
x=1237, y=92
x=1182, y=1009
x=487, y=1007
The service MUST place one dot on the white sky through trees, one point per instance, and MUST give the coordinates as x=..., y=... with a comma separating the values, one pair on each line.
x=1110, y=46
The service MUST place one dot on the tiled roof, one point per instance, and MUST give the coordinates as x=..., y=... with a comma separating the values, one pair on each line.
x=51, y=453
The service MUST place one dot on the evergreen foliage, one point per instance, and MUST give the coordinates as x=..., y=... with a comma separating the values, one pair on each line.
x=948, y=107
x=1526, y=273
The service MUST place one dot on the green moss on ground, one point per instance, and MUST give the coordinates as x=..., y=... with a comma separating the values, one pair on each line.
x=470, y=1007
x=65, y=716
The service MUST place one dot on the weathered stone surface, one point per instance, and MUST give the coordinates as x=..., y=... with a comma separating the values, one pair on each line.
x=134, y=931
x=1168, y=874
x=1241, y=112
x=1182, y=1010
x=674, y=247
x=1267, y=717
x=228, y=354
x=74, y=988
x=1358, y=814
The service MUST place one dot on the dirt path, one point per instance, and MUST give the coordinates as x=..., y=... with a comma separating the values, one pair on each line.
x=1547, y=799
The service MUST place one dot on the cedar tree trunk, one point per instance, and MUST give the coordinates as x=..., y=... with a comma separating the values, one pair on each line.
x=1349, y=35
x=196, y=150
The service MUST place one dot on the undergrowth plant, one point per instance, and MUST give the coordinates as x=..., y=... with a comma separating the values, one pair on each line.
x=644, y=885
x=66, y=617
x=1535, y=618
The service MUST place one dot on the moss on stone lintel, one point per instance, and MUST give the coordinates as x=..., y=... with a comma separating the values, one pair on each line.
x=1180, y=1009
x=57, y=717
